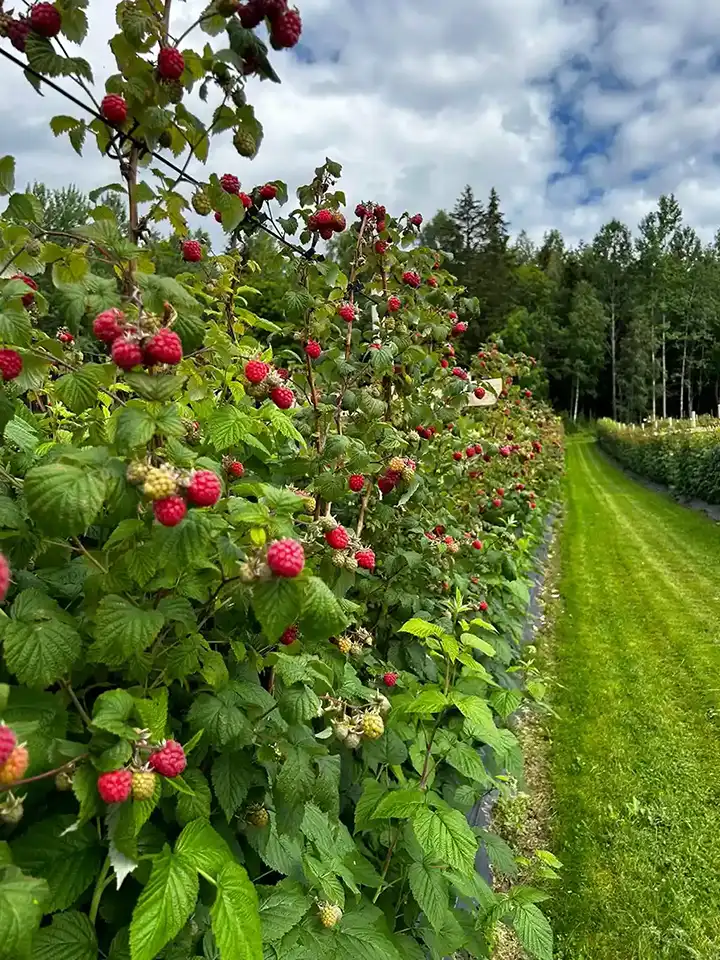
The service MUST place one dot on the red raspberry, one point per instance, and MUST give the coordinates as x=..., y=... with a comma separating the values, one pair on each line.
x=15, y=766
x=483, y=605
x=10, y=364
x=114, y=108
x=381, y=225
x=282, y=397
x=365, y=559
x=8, y=742
x=497, y=502
x=29, y=297
x=537, y=446
x=444, y=363
x=17, y=31
x=380, y=246
x=313, y=349
x=170, y=510
x=107, y=326
x=236, y=469
x=380, y=212
x=431, y=282
x=479, y=392
x=390, y=679
x=192, y=251
x=487, y=458
x=347, y=312
x=274, y=8
x=171, y=63
x=459, y=373
x=500, y=491
x=286, y=558
x=324, y=218
x=504, y=451
x=126, y=354
x=386, y=485
x=339, y=222
x=470, y=451
x=230, y=183
x=252, y=14
x=4, y=577
x=356, y=482
x=338, y=538
x=459, y=327
x=256, y=371
x=452, y=315
x=477, y=544
x=164, y=347
x=115, y=787
x=65, y=336
x=457, y=455
x=411, y=278
x=289, y=636
x=416, y=220
x=45, y=20
x=246, y=200
x=393, y=304
x=204, y=488
x=283, y=373
x=528, y=394
x=532, y=504
x=169, y=760
x=361, y=211
x=218, y=216
x=478, y=449
x=269, y=191
x=286, y=30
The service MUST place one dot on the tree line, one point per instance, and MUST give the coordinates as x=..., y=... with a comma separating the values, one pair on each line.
x=626, y=325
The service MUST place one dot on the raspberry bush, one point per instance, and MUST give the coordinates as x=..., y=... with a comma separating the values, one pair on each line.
x=263, y=593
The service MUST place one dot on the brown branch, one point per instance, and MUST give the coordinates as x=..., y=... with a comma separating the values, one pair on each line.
x=363, y=509
x=44, y=776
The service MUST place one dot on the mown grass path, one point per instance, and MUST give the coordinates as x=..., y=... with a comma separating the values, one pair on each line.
x=636, y=748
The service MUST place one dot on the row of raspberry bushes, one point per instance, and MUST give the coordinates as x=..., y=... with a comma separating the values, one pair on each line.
x=681, y=456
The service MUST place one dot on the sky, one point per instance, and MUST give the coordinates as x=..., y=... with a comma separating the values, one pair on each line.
x=575, y=111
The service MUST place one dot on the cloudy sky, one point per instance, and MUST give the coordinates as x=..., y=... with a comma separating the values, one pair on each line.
x=575, y=110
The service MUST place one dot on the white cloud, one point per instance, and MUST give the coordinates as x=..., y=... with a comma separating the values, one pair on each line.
x=417, y=99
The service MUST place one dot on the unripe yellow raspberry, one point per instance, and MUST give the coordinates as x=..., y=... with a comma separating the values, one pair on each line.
x=344, y=645
x=143, y=785
x=407, y=474
x=330, y=914
x=159, y=484
x=258, y=816
x=373, y=726
x=396, y=464
x=137, y=471
x=15, y=766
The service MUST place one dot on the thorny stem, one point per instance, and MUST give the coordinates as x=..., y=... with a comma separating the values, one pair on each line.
x=44, y=776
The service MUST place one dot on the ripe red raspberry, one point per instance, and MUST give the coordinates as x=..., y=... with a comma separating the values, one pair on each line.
x=64, y=336
x=170, y=510
x=483, y=605
x=192, y=251
x=537, y=446
x=313, y=349
x=380, y=212
x=411, y=279
x=282, y=397
x=356, y=482
x=380, y=246
x=8, y=742
x=532, y=504
x=457, y=455
x=28, y=281
x=256, y=371
x=432, y=281
x=504, y=451
x=459, y=327
x=459, y=373
x=204, y=488
x=500, y=491
x=45, y=20
x=528, y=394
x=390, y=679
x=289, y=636
x=252, y=14
x=497, y=502
x=323, y=218
x=246, y=200
x=416, y=220
x=169, y=761
x=115, y=787
x=4, y=577
x=10, y=364
x=171, y=63
x=478, y=449
x=230, y=183
x=381, y=225
x=386, y=485
x=126, y=354
x=114, y=108
x=338, y=538
x=285, y=31
x=470, y=451
x=218, y=216
x=346, y=311
x=286, y=558
x=365, y=559
x=393, y=304
x=17, y=32
x=107, y=326
x=236, y=469
x=477, y=544
x=269, y=191
x=361, y=211
x=283, y=373
x=164, y=347
x=479, y=392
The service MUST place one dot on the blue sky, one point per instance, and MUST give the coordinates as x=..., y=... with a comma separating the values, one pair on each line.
x=576, y=111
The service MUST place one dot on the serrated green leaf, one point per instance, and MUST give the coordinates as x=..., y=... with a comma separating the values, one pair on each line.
x=400, y=803
x=322, y=616
x=123, y=630
x=164, y=905
x=372, y=794
x=40, y=653
x=7, y=175
x=78, y=390
x=231, y=775
x=158, y=387
x=197, y=800
x=15, y=327
x=533, y=930
x=22, y=899
x=299, y=704
x=203, y=847
x=228, y=427
x=427, y=703
x=134, y=427
x=421, y=628
x=430, y=890
x=276, y=603
x=70, y=936
x=221, y=719
x=63, y=499
x=235, y=916
x=282, y=907
x=446, y=837
x=111, y=711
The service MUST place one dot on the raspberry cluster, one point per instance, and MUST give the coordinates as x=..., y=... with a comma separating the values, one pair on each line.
x=284, y=23
x=264, y=381
x=164, y=485
x=326, y=222
x=132, y=347
x=167, y=759
x=398, y=469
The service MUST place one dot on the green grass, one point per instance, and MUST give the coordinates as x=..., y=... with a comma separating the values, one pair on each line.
x=636, y=748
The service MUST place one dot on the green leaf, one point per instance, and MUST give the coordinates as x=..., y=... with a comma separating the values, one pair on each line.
x=111, y=711
x=400, y=803
x=15, y=327
x=299, y=704
x=196, y=802
x=235, y=916
x=421, y=628
x=78, y=391
x=533, y=930
x=228, y=427
x=427, y=703
x=123, y=630
x=468, y=762
x=322, y=616
x=430, y=890
x=276, y=603
x=282, y=907
x=158, y=387
x=134, y=427
x=446, y=836
x=203, y=847
x=70, y=936
x=7, y=175
x=40, y=642
x=231, y=778
x=17, y=431
x=63, y=499
x=22, y=900
x=164, y=906
x=372, y=794
x=220, y=717
x=152, y=711
x=10, y=516
x=505, y=702
x=68, y=861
